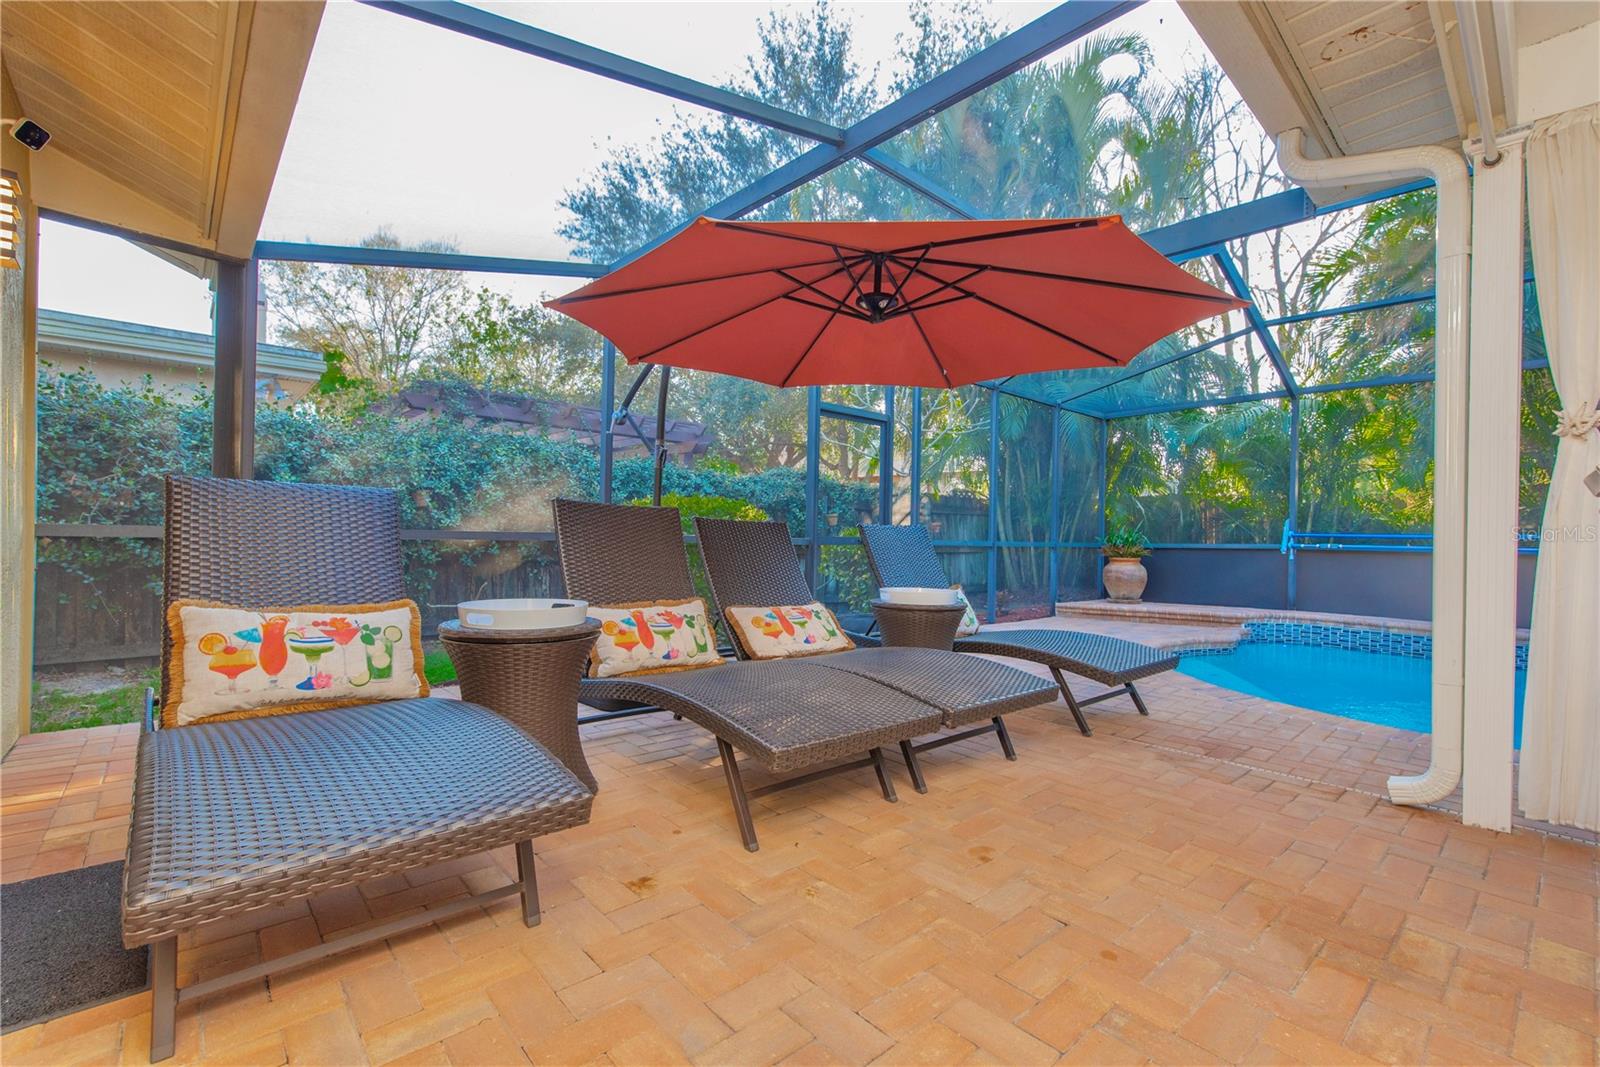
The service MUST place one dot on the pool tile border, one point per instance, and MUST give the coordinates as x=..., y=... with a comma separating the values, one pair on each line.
x=1379, y=639
x=1364, y=633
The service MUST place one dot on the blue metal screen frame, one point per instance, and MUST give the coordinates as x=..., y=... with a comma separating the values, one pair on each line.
x=1204, y=236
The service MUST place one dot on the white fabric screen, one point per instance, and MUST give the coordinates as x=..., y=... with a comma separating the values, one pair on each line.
x=1560, y=769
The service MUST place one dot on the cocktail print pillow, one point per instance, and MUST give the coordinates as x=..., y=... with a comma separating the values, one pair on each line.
x=969, y=618
x=784, y=631
x=231, y=662
x=666, y=635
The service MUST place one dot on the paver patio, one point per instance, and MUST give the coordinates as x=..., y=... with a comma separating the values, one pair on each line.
x=1164, y=890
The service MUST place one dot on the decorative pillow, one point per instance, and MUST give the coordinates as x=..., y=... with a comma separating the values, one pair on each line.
x=229, y=662
x=969, y=618
x=655, y=636
x=780, y=632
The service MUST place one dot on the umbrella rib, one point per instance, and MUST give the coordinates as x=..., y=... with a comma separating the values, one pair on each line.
x=748, y=227
x=806, y=352
x=900, y=283
x=932, y=354
x=1218, y=298
x=855, y=282
x=727, y=319
x=1039, y=325
x=928, y=307
x=829, y=308
x=579, y=298
x=910, y=312
x=1051, y=227
x=841, y=306
x=913, y=268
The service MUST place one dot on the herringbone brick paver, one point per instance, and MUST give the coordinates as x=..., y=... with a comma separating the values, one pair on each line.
x=1160, y=892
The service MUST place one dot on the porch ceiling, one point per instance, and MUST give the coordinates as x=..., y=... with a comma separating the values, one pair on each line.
x=166, y=117
x=1376, y=71
x=1356, y=76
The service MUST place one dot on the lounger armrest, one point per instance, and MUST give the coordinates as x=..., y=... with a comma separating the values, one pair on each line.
x=867, y=640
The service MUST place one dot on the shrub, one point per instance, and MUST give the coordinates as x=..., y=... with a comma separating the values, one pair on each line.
x=708, y=507
x=103, y=450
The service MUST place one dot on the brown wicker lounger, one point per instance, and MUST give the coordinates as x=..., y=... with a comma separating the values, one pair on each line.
x=787, y=715
x=754, y=563
x=614, y=554
x=235, y=815
x=904, y=555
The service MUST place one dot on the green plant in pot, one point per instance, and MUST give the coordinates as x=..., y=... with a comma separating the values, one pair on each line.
x=1124, y=547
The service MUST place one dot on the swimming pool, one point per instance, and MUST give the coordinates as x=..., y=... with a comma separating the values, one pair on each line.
x=1369, y=675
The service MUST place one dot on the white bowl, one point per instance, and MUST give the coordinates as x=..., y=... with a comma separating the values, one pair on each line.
x=521, y=614
x=917, y=594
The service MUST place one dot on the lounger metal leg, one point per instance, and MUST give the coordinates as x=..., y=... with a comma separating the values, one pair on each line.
x=164, y=1009
x=1072, y=703
x=908, y=752
x=1138, y=701
x=884, y=781
x=1005, y=738
x=741, y=803
x=530, y=884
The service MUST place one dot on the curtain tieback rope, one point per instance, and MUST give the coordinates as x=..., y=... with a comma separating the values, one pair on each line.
x=1577, y=423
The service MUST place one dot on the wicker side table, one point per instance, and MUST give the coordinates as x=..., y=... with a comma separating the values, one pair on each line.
x=918, y=625
x=531, y=678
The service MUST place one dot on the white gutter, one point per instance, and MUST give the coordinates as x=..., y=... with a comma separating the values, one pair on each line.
x=1471, y=31
x=1453, y=275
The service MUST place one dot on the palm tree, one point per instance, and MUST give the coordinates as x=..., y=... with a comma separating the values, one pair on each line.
x=1032, y=145
x=1366, y=455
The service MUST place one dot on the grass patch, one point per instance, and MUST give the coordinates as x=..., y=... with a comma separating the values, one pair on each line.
x=61, y=709
x=437, y=667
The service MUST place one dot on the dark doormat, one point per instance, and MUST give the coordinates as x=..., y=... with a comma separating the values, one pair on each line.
x=61, y=943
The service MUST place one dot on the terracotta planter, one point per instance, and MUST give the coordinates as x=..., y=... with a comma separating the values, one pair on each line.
x=1124, y=579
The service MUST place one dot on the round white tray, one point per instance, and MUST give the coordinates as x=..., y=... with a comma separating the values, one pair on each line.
x=917, y=594
x=521, y=614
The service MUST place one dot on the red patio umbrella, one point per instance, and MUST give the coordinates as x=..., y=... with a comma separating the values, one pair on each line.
x=939, y=304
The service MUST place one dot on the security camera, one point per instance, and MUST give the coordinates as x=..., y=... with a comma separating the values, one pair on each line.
x=29, y=133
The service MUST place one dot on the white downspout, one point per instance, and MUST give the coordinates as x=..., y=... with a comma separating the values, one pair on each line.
x=1453, y=277
x=1471, y=31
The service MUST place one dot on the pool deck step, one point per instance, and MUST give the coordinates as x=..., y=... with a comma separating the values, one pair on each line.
x=1156, y=634
x=1226, y=615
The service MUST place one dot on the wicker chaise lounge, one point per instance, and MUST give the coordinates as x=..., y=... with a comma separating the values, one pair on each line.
x=234, y=815
x=787, y=715
x=904, y=555
x=754, y=563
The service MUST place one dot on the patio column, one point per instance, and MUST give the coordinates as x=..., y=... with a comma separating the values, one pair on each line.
x=19, y=312
x=1494, y=429
x=234, y=374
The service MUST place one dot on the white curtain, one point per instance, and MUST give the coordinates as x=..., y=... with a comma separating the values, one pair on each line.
x=1559, y=779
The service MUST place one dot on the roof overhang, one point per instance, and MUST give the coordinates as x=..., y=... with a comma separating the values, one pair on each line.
x=1365, y=76
x=65, y=337
x=167, y=118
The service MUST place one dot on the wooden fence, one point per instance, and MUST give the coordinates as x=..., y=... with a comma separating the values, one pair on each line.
x=91, y=612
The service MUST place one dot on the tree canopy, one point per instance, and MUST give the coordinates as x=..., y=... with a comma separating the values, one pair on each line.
x=1094, y=128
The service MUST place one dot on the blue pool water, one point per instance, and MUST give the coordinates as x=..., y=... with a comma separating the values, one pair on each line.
x=1371, y=686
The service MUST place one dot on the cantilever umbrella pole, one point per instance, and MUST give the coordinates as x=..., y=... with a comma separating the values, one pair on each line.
x=661, y=433
x=633, y=391
x=622, y=413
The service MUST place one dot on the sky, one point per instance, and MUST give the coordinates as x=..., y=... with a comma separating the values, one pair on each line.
x=443, y=138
